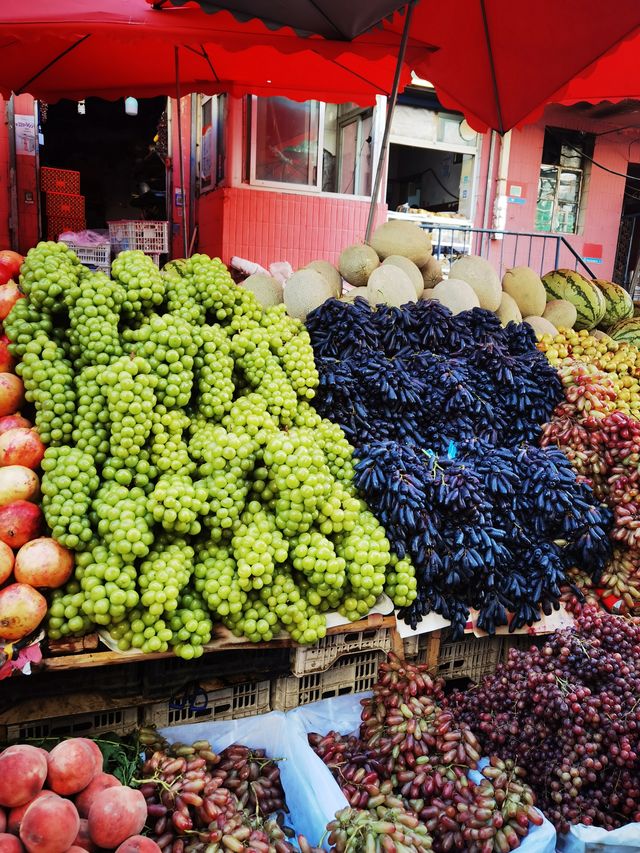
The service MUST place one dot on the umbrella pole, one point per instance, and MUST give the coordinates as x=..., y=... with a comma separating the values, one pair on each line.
x=391, y=105
x=185, y=237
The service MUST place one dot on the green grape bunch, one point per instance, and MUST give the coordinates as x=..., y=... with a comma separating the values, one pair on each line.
x=48, y=379
x=49, y=276
x=141, y=281
x=69, y=481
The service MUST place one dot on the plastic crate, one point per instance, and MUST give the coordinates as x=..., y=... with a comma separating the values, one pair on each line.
x=473, y=658
x=152, y=238
x=57, y=224
x=411, y=646
x=120, y=721
x=95, y=257
x=352, y=674
x=227, y=703
x=65, y=205
x=325, y=652
x=59, y=180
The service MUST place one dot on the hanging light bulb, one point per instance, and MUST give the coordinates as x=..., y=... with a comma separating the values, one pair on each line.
x=131, y=106
x=82, y=108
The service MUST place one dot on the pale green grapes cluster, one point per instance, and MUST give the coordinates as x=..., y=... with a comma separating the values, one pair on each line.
x=176, y=502
x=226, y=462
x=257, y=622
x=169, y=450
x=108, y=584
x=69, y=482
x=143, y=631
x=400, y=581
x=164, y=574
x=124, y=521
x=169, y=344
x=191, y=626
x=48, y=275
x=258, y=545
x=181, y=296
x=65, y=617
x=314, y=556
x=129, y=385
x=141, y=280
x=24, y=324
x=366, y=552
x=213, y=367
x=49, y=384
x=94, y=314
x=216, y=579
x=91, y=421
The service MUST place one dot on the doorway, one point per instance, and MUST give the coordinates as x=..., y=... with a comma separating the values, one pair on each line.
x=626, y=269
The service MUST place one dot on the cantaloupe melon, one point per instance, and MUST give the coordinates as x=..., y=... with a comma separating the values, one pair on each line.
x=508, y=311
x=357, y=263
x=428, y=293
x=561, y=313
x=351, y=295
x=399, y=237
x=410, y=268
x=432, y=272
x=266, y=289
x=482, y=277
x=525, y=286
x=329, y=272
x=390, y=286
x=541, y=326
x=304, y=291
x=456, y=295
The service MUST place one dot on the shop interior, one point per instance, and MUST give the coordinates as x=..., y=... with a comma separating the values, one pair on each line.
x=428, y=180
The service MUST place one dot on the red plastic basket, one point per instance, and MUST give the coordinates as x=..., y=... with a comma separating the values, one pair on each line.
x=65, y=205
x=57, y=224
x=59, y=180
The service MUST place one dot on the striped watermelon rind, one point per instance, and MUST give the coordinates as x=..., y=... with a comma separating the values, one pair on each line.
x=587, y=298
x=619, y=304
x=627, y=331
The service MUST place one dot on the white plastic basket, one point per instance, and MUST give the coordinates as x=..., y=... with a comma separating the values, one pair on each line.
x=96, y=257
x=152, y=238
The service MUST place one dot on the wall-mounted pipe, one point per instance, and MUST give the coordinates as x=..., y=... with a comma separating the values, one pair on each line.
x=500, y=204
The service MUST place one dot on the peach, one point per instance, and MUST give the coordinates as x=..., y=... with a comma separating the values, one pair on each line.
x=99, y=783
x=72, y=765
x=83, y=839
x=115, y=815
x=49, y=825
x=16, y=815
x=97, y=753
x=10, y=844
x=23, y=771
x=138, y=844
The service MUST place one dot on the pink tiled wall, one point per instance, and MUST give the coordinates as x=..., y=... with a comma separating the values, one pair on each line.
x=602, y=202
x=267, y=226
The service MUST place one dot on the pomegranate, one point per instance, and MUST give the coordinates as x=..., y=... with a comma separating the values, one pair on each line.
x=9, y=295
x=21, y=446
x=7, y=361
x=12, y=261
x=22, y=608
x=11, y=393
x=20, y=522
x=43, y=562
x=18, y=483
x=13, y=422
x=6, y=562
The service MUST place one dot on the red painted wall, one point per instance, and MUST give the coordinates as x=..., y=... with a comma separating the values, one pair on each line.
x=267, y=226
x=5, y=209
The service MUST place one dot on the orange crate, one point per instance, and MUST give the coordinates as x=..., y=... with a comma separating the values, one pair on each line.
x=63, y=205
x=57, y=224
x=59, y=180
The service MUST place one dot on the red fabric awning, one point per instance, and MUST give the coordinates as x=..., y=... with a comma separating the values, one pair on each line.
x=497, y=61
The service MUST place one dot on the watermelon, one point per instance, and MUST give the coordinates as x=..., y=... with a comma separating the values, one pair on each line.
x=627, y=331
x=619, y=304
x=588, y=299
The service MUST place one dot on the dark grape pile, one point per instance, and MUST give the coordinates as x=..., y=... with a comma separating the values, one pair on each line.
x=412, y=754
x=569, y=713
x=443, y=411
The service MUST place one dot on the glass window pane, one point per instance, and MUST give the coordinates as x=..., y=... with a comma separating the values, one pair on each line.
x=366, y=156
x=569, y=187
x=330, y=148
x=207, y=145
x=566, y=218
x=287, y=140
x=348, y=157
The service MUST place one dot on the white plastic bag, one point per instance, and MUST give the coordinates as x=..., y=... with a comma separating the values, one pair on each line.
x=342, y=714
x=273, y=733
x=593, y=839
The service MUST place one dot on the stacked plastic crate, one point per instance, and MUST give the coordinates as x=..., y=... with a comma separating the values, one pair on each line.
x=64, y=206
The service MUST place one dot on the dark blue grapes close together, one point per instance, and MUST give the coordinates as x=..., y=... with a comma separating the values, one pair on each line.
x=444, y=412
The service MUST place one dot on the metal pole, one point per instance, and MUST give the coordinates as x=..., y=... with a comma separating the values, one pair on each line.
x=391, y=105
x=185, y=236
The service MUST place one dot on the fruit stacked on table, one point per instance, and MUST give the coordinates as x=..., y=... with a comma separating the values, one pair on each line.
x=57, y=801
x=185, y=466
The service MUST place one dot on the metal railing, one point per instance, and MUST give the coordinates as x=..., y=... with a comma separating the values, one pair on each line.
x=505, y=249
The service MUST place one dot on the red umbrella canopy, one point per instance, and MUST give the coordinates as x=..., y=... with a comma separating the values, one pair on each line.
x=498, y=61
x=109, y=48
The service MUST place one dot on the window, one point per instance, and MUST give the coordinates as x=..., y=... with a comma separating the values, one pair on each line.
x=311, y=145
x=565, y=158
x=211, y=147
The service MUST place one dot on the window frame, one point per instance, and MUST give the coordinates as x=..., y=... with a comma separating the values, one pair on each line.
x=582, y=173
x=315, y=188
x=218, y=119
x=356, y=116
